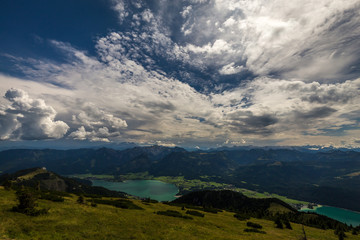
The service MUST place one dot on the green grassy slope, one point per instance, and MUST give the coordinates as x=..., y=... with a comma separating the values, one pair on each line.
x=70, y=220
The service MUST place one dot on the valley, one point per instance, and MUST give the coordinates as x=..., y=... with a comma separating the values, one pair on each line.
x=323, y=177
x=189, y=185
x=57, y=207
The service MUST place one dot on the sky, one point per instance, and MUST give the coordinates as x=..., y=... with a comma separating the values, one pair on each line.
x=190, y=73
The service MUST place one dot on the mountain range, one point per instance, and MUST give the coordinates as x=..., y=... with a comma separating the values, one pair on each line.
x=330, y=177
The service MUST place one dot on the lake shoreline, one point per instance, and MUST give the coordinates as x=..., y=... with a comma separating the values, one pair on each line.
x=346, y=216
x=311, y=209
x=154, y=189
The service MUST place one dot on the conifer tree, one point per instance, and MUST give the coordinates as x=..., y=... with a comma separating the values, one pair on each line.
x=287, y=224
x=27, y=203
x=278, y=223
x=27, y=200
x=80, y=199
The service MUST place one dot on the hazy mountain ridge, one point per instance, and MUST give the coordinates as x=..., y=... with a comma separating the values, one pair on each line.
x=78, y=160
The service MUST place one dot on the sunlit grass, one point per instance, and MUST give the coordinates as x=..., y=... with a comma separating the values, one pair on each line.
x=32, y=174
x=70, y=220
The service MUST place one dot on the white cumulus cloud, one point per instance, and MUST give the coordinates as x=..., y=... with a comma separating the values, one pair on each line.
x=29, y=119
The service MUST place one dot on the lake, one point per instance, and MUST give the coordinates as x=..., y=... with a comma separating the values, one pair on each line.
x=342, y=215
x=154, y=189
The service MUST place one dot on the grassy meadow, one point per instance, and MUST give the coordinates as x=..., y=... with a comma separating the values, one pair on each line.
x=71, y=220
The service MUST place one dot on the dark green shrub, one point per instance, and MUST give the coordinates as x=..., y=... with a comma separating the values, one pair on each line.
x=93, y=203
x=253, y=225
x=80, y=199
x=341, y=235
x=195, y=213
x=287, y=224
x=27, y=204
x=339, y=231
x=172, y=213
x=119, y=203
x=254, y=230
x=211, y=210
x=149, y=200
x=51, y=197
x=241, y=217
x=278, y=223
x=7, y=184
x=27, y=199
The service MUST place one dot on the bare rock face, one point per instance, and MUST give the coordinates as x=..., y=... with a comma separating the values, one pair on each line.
x=56, y=184
x=42, y=179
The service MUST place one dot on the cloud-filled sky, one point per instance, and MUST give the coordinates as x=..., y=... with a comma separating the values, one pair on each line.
x=188, y=73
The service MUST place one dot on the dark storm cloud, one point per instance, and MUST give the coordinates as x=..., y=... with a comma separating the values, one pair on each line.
x=253, y=124
x=318, y=112
x=158, y=107
x=260, y=121
x=331, y=96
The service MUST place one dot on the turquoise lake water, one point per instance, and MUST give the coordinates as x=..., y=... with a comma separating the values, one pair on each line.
x=154, y=189
x=342, y=215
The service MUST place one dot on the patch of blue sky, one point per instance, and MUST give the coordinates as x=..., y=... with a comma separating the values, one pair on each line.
x=27, y=26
